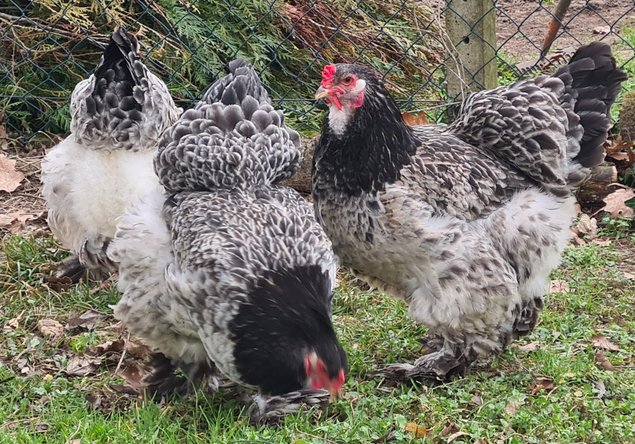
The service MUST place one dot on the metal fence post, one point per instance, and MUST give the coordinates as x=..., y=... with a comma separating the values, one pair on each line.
x=471, y=31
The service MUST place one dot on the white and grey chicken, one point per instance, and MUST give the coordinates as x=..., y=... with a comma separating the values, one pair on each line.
x=464, y=222
x=105, y=164
x=231, y=270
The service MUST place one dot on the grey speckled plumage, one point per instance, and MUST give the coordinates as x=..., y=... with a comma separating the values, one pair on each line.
x=122, y=105
x=105, y=164
x=230, y=270
x=464, y=222
x=232, y=138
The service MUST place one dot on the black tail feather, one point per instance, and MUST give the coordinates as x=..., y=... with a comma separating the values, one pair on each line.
x=595, y=81
x=120, y=82
x=243, y=81
x=119, y=56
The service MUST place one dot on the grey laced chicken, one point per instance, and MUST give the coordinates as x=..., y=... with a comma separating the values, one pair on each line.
x=463, y=222
x=105, y=164
x=231, y=271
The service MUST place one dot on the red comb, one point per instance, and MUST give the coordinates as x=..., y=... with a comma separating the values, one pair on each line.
x=328, y=73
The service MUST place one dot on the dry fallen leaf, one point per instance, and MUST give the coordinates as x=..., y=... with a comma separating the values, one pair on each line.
x=109, y=400
x=16, y=220
x=528, y=347
x=542, y=384
x=587, y=227
x=58, y=283
x=620, y=156
x=115, y=346
x=558, y=286
x=416, y=430
x=615, y=203
x=13, y=323
x=82, y=365
x=599, y=388
x=628, y=275
x=602, y=361
x=511, y=408
x=415, y=118
x=41, y=427
x=133, y=375
x=50, y=328
x=86, y=321
x=137, y=349
x=601, y=341
x=9, y=178
x=455, y=435
x=3, y=126
x=449, y=429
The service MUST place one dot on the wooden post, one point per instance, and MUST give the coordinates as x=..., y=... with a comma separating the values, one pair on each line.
x=471, y=30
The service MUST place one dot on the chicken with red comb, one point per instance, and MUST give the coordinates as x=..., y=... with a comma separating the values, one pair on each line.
x=463, y=222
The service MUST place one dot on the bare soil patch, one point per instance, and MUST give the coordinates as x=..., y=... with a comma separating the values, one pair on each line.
x=522, y=25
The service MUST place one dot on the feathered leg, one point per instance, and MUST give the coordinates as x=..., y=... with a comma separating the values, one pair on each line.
x=165, y=381
x=453, y=359
x=273, y=409
x=528, y=318
x=72, y=269
x=432, y=342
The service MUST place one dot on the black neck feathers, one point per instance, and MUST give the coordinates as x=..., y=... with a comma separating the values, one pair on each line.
x=373, y=148
x=287, y=316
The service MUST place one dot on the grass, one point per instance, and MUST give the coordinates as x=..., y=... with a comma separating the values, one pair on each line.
x=545, y=388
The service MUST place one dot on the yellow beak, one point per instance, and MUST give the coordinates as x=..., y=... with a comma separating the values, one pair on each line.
x=321, y=93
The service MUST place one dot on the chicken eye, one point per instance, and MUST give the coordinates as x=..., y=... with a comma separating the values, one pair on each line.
x=348, y=80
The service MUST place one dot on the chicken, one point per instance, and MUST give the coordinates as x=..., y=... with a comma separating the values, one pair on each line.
x=463, y=222
x=118, y=114
x=231, y=271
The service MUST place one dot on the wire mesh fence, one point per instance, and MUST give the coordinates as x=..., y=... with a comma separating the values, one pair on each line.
x=47, y=46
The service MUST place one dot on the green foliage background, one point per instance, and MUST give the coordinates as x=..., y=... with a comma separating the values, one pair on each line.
x=50, y=45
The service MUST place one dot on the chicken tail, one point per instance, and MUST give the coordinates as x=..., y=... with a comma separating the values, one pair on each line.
x=592, y=83
x=119, y=57
x=232, y=138
x=117, y=79
x=550, y=128
x=241, y=82
x=122, y=105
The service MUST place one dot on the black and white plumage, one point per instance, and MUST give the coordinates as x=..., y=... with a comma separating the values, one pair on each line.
x=464, y=222
x=118, y=114
x=231, y=270
x=233, y=138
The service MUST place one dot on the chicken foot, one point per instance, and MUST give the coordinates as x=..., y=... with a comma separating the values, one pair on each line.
x=72, y=269
x=272, y=409
x=528, y=318
x=164, y=381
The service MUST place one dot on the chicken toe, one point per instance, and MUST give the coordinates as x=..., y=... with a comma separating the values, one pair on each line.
x=273, y=409
x=165, y=381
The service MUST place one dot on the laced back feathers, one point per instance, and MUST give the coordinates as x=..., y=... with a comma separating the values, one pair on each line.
x=551, y=128
x=232, y=138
